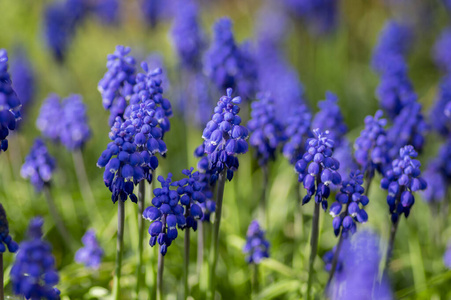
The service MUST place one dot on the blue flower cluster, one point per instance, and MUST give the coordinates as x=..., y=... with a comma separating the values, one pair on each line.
x=5, y=238
x=438, y=175
x=224, y=136
x=256, y=247
x=297, y=131
x=91, y=254
x=401, y=180
x=441, y=54
x=229, y=65
x=447, y=256
x=39, y=165
x=9, y=102
x=371, y=147
x=23, y=79
x=107, y=11
x=439, y=115
x=117, y=83
x=166, y=214
x=49, y=119
x=191, y=197
x=317, y=168
x=33, y=274
x=267, y=133
x=155, y=10
x=209, y=205
x=187, y=35
x=353, y=198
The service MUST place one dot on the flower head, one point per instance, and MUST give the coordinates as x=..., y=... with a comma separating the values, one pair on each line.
x=39, y=165
x=297, y=131
x=108, y=11
x=439, y=115
x=23, y=77
x=33, y=274
x=256, y=247
x=5, y=238
x=441, y=54
x=166, y=214
x=9, y=102
x=155, y=10
x=91, y=254
x=75, y=131
x=49, y=120
x=437, y=185
x=401, y=181
x=266, y=131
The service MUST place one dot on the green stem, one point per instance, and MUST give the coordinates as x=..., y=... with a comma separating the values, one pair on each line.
x=200, y=247
x=335, y=259
x=264, y=200
x=141, y=203
x=186, y=265
x=314, y=247
x=255, y=283
x=215, y=237
x=368, y=178
x=394, y=228
x=160, y=275
x=1, y=277
x=119, y=249
x=298, y=224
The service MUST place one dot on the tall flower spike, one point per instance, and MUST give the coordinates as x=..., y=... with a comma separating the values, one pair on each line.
x=401, y=181
x=5, y=238
x=9, y=102
x=224, y=136
x=39, y=165
x=317, y=168
x=352, y=197
x=117, y=83
x=256, y=247
x=33, y=274
x=266, y=131
x=75, y=131
x=49, y=120
x=166, y=214
x=23, y=79
x=297, y=131
x=91, y=253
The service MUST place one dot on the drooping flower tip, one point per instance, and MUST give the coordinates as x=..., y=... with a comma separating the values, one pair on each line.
x=256, y=247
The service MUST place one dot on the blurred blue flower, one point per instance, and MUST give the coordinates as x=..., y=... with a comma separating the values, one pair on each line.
x=49, y=120
x=271, y=23
x=266, y=132
x=441, y=53
x=33, y=274
x=439, y=119
x=91, y=253
x=437, y=184
x=343, y=153
x=224, y=136
x=256, y=247
x=75, y=131
x=108, y=11
x=5, y=238
x=155, y=10
x=23, y=79
x=39, y=165
x=447, y=256
x=317, y=168
x=297, y=131
x=166, y=214
x=9, y=102
x=352, y=197
x=401, y=181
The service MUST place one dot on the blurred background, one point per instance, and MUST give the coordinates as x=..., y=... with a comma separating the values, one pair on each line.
x=329, y=53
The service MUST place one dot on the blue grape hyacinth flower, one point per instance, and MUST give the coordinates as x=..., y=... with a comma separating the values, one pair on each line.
x=224, y=136
x=257, y=246
x=91, y=253
x=166, y=214
x=6, y=241
x=266, y=132
x=401, y=181
x=317, y=168
x=437, y=184
x=447, y=257
x=9, y=102
x=439, y=115
x=352, y=197
x=108, y=11
x=49, y=120
x=39, y=165
x=297, y=131
x=75, y=130
x=33, y=274
x=23, y=79
x=441, y=54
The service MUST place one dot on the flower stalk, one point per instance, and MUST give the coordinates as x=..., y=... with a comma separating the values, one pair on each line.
x=186, y=264
x=119, y=249
x=160, y=275
x=2, y=297
x=140, y=278
x=314, y=248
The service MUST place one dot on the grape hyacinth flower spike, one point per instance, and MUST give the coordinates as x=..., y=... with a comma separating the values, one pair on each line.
x=6, y=242
x=401, y=181
x=23, y=79
x=33, y=274
x=91, y=253
x=9, y=102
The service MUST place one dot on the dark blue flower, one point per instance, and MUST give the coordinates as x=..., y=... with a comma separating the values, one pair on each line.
x=317, y=168
x=256, y=247
x=5, y=238
x=91, y=254
x=23, y=79
x=266, y=131
x=166, y=214
x=439, y=115
x=49, y=121
x=348, y=207
x=75, y=131
x=33, y=274
x=39, y=165
x=297, y=131
x=441, y=54
x=401, y=181
x=224, y=136
x=9, y=102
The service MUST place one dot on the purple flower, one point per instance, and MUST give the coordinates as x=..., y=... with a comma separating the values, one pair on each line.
x=5, y=238
x=75, y=131
x=271, y=23
x=401, y=181
x=441, y=54
x=447, y=257
x=23, y=79
x=39, y=165
x=33, y=274
x=155, y=10
x=49, y=119
x=166, y=214
x=108, y=11
x=317, y=168
x=438, y=175
x=91, y=254
x=9, y=102
x=343, y=153
x=256, y=247
x=439, y=116
x=297, y=131
x=266, y=131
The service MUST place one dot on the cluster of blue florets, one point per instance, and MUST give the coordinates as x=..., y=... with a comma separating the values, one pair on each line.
x=33, y=274
x=49, y=119
x=440, y=113
x=401, y=181
x=442, y=57
x=5, y=238
x=257, y=246
x=438, y=175
x=23, y=79
x=318, y=169
x=297, y=131
x=9, y=102
x=353, y=199
x=166, y=213
x=39, y=165
x=91, y=253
